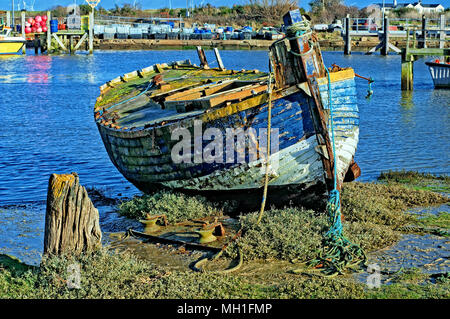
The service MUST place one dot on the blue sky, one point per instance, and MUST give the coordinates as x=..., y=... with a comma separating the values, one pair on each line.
x=148, y=4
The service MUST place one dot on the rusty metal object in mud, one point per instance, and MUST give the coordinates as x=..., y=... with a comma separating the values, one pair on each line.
x=209, y=232
x=150, y=222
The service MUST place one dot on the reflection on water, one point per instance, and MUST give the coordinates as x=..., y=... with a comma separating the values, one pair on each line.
x=407, y=99
x=46, y=106
x=47, y=122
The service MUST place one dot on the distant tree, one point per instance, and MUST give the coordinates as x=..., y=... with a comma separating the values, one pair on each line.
x=326, y=11
x=59, y=11
x=84, y=9
x=318, y=6
x=269, y=10
x=182, y=12
x=403, y=12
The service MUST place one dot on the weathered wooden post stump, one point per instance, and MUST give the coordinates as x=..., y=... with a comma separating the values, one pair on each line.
x=71, y=220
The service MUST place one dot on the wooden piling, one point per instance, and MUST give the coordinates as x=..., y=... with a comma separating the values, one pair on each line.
x=70, y=45
x=8, y=18
x=442, y=34
x=407, y=71
x=347, y=37
x=22, y=13
x=71, y=220
x=91, y=31
x=423, y=36
x=219, y=59
x=49, y=34
x=202, y=57
x=385, y=47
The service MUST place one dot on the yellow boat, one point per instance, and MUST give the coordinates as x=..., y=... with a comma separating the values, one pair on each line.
x=10, y=45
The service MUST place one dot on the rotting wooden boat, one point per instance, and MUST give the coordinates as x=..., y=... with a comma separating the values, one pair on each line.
x=440, y=73
x=138, y=113
x=8, y=44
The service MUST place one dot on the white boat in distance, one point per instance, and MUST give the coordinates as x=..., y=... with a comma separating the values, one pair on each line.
x=440, y=73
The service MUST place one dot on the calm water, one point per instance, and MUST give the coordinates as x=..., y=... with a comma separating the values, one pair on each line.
x=47, y=126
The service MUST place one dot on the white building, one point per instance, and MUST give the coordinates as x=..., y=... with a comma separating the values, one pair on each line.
x=422, y=8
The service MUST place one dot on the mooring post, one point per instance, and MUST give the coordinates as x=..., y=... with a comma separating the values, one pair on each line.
x=202, y=57
x=71, y=220
x=219, y=59
x=24, y=48
x=442, y=32
x=422, y=43
x=91, y=31
x=407, y=70
x=70, y=44
x=37, y=44
x=385, y=47
x=8, y=18
x=347, y=37
x=49, y=34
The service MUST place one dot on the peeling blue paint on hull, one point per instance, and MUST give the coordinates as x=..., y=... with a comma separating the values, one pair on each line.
x=144, y=156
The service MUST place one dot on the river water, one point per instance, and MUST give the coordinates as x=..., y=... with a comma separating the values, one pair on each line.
x=47, y=126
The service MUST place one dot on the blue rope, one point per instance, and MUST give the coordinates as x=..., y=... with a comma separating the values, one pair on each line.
x=334, y=203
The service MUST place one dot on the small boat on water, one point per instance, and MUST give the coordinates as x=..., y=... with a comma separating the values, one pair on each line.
x=440, y=73
x=197, y=129
x=8, y=44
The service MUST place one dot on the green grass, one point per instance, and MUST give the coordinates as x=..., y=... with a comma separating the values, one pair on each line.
x=440, y=220
x=176, y=206
x=282, y=234
x=416, y=180
x=412, y=284
x=124, y=276
x=373, y=213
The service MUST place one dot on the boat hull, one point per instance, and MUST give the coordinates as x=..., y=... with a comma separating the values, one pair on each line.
x=145, y=156
x=440, y=73
x=11, y=46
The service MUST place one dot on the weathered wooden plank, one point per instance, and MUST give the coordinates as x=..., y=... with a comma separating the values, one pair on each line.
x=71, y=220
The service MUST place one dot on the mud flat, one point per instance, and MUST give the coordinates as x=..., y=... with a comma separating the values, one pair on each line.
x=386, y=219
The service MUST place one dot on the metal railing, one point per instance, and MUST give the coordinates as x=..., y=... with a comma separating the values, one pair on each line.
x=106, y=19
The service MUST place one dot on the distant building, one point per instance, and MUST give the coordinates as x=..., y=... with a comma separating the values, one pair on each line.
x=421, y=8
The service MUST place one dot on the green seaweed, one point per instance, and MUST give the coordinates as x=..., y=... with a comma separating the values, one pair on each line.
x=417, y=180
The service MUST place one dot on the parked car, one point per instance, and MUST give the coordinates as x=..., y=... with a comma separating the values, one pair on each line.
x=320, y=27
x=335, y=27
x=364, y=25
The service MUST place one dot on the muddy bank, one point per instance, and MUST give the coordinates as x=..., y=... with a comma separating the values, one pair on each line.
x=412, y=264
x=328, y=43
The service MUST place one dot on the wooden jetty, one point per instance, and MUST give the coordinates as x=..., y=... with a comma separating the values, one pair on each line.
x=417, y=47
x=387, y=34
x=68, y=41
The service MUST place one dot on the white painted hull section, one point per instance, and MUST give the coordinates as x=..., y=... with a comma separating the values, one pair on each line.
x=440, y=75
x=297, y=164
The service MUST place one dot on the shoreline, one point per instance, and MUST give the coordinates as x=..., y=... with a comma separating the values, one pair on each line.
x=361, y=44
